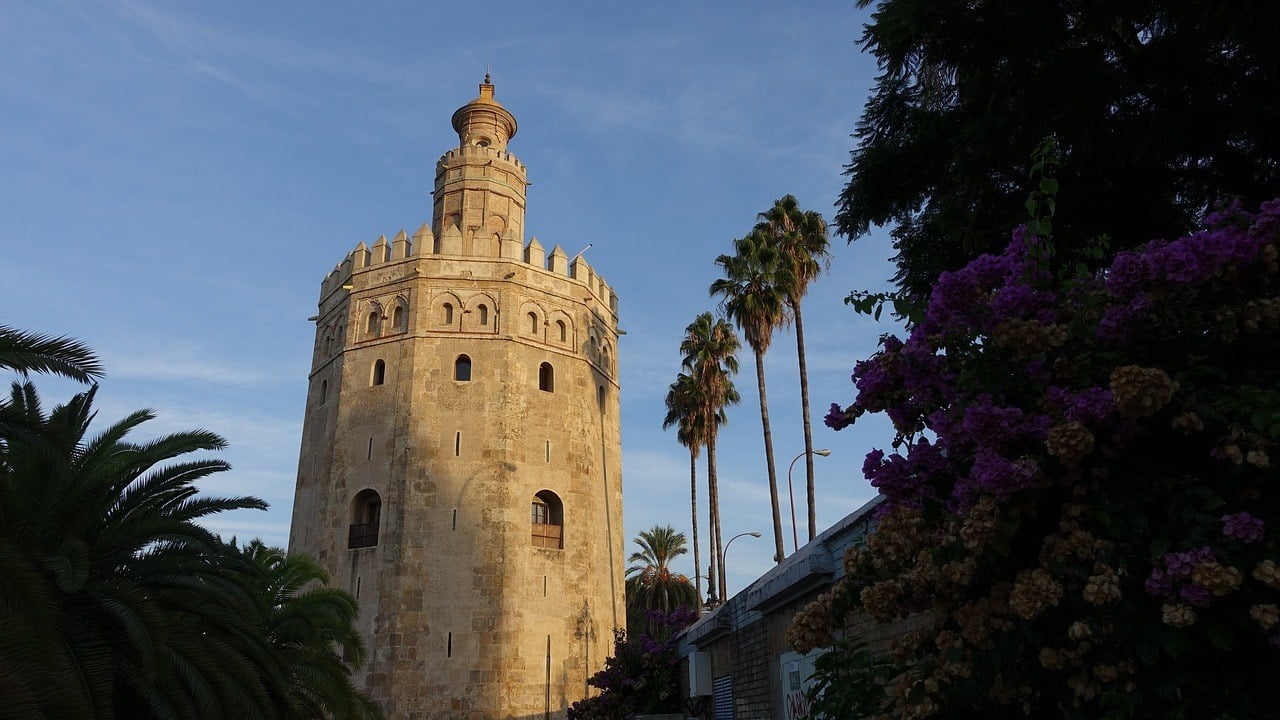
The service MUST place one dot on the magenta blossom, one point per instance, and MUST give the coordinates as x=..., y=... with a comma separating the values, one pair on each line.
x=1243, y=527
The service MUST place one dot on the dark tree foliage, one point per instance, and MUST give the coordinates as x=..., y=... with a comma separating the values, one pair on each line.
x=1161, y=106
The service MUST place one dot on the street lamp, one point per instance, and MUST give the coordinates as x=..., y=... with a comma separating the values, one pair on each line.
x=725, y=554
x=795, y=540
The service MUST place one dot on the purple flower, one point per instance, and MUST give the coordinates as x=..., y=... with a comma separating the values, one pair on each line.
x=837, y=418
x=1089, y=406
x=1002, y=477
x=1243, y=527
x=1196, y=595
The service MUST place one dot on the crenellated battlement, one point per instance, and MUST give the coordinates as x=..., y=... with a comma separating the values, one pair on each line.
x=422, y=245
x=478, y=152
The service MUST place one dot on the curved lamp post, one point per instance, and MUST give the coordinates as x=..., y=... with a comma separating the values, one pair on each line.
x=795, y=540
x=725, y=554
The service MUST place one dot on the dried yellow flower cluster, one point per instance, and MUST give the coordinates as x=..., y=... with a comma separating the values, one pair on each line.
x=898, y=536
x=1071, y=541
x=1267, y=616
x=980, y=523
x=1215, y=577
x=1033, y=592
x=1141, y=392
x=1103, y=586
x=1187, y=423
x=1178, y=616
x=1024, y=338
x=1268, y=573
x=882, y=601
x=811, y=627
x=1070, y=442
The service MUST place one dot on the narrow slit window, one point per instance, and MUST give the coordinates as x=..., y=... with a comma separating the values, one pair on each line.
x=484, y=315
x=358, y=588
x=455, y=518
x=448, y=648
x=457, y=444
x=448, y=314
x=533, y=323
x=462, y=369
x=379, y=372
x=324, y=391
x=370, y=455
x=564, y=332
x=548, y=451
x=546, y=378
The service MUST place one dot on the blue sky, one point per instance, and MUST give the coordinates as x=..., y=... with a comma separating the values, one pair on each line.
x=178, y=177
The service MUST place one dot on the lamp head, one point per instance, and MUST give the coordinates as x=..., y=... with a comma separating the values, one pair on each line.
x=754, y=533
x=823, y=452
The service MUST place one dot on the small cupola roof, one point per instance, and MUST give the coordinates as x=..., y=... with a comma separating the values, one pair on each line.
x=486, y=110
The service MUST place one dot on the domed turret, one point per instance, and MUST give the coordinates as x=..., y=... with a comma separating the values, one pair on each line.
x=483, y=121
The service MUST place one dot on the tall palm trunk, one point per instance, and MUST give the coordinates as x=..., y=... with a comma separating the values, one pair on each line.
x=808, y=428
x=716, y=542
x=693, y=503
x=779, y=551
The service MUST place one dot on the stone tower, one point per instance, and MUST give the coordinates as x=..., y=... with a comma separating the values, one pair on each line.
x=461, y=453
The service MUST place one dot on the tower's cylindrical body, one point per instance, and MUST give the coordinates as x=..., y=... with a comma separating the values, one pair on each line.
x=460, y=468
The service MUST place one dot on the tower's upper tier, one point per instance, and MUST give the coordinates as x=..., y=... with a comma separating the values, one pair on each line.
x=483, y=121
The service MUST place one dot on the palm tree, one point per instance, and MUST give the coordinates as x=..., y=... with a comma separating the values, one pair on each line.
x=684, y=410
x=651, y=584
x=801, y=237
x=28, y=352
x=311, y=631
x=117, y=600
x=753, y=294
x=709, y=349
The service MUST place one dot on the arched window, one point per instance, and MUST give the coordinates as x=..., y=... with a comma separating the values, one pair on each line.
x=564, y=332
x=400, y=319
x=600, y=397
x=366, y=515
x=484, y=315
x=379, y=372
x=373, y=323
x=533, y=323
x=546, y=378
x=462, y=368
x=448, y=314
x=547, y=519
x=324, y=391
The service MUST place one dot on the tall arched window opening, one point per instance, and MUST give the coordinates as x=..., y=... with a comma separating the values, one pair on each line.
x=448, y=314
x=379, y=372
x=400, y=319
x=373, y=323
x=533, y=323
x=366, y=515
x=547, y=520
x=564, y=332
x=484, y=315
x=546, y=378
x=462, y=368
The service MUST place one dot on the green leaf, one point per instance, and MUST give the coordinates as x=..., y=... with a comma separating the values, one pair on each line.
x=1220, y=636
x=1049, y=186
x=1174, y=642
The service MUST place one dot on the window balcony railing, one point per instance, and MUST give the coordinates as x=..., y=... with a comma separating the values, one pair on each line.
x=547, y=536
x=362, y=535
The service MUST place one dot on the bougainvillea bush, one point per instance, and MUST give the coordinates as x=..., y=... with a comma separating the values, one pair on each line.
x=1081, y=492
x=643, y=674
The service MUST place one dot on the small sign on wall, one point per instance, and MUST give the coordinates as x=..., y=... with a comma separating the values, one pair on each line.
x=797, y=678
